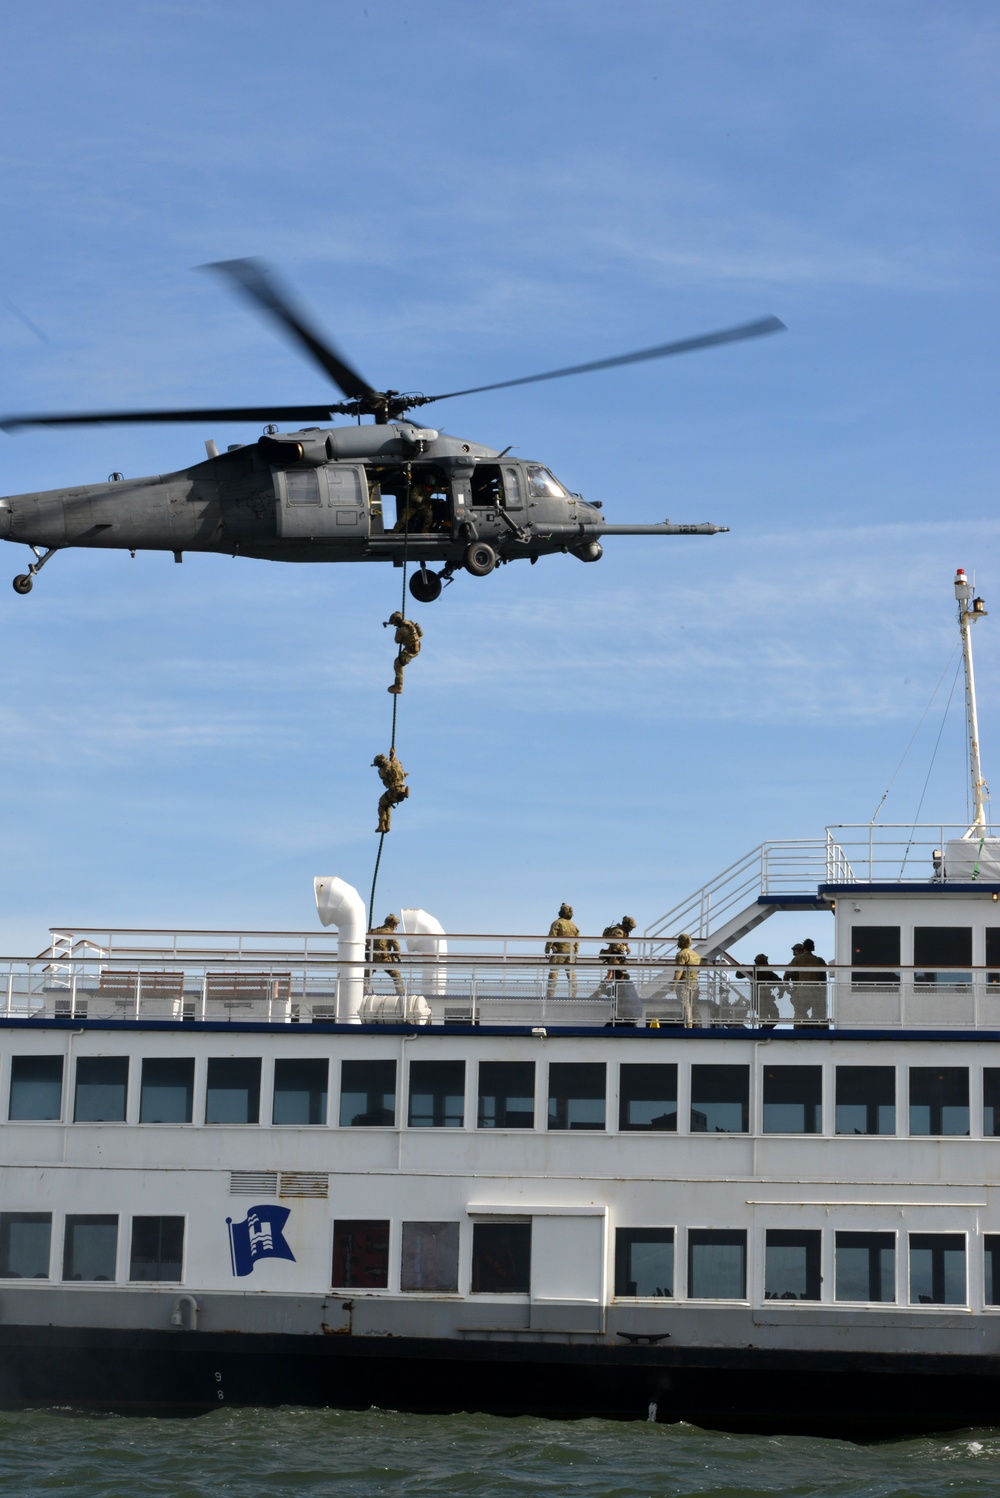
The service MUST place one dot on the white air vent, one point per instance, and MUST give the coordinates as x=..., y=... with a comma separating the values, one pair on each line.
x=253, y=1183
x=304, y=1183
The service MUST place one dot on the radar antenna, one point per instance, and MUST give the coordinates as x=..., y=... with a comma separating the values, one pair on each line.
x=969, y=610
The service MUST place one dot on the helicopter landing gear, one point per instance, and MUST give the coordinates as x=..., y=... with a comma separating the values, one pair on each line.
x=24, y=581
x=480, y=559
x=425, y=586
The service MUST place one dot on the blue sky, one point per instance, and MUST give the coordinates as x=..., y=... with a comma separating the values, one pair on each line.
x=466, y=193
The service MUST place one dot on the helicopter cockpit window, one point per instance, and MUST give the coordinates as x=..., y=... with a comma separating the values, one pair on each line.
x=542, y=485
x=302, y=488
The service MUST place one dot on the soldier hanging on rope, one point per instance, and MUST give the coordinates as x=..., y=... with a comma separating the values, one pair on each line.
x=408, y=636
x=392, y=776
x=384, y=948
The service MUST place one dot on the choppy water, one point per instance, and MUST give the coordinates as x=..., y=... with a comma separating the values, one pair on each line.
x=263, y=1453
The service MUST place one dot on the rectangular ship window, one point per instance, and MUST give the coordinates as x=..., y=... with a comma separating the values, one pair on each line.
x=429, y=1257
x=101, y=1088
x=720, y=1099
x=793, y=1099
x=35, y=1087
x=367, y=1094
x=25, y=1245
x=937, y=1269
x=937, y=947
x=437, y=1094
x=300, y=1091
x=939, y=1100
x=167, y=1089
x=90, y=1248
x=866, y=1266
x=991, y=1248
x=360, y=1254
x=717, y=1264
x=993, y=953
x=644, y=1262
x=991, y=1101
x=157, y=1249
x=866, y=1100
x=577, y=1094
x=501, y=1258
x=233, y=1095
x=879, y=947
x=791, y=1264
x=647, y=1096
x=506, y=1095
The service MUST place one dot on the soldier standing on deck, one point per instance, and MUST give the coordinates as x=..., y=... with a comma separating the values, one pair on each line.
x=686, y=976
x=562, y=953
x=385, y=949
x=617, y=947
x=392, y=776
x=408, y=637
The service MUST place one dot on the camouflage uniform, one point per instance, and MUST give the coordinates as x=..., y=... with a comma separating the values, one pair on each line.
x=767, y=990
x=416, y=512
x=385, y=949
x=408, y=636
x=686, y=977
x=811, y=989
x=562, y=953
x=617, y=947
x=392, y=776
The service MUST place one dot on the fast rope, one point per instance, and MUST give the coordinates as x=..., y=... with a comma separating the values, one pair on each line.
x=395, y=710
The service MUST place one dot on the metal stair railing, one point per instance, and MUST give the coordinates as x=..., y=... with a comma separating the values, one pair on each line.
x=776, y=868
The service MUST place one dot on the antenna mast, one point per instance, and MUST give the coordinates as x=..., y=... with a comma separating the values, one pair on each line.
x=969, y=610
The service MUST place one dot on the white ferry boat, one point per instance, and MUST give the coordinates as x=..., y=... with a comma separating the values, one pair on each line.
x=247, y=1168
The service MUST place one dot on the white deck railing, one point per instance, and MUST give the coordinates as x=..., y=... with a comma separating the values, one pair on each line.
x=195, y=977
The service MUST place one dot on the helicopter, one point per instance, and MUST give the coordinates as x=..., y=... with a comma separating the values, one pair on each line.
x=383, y=491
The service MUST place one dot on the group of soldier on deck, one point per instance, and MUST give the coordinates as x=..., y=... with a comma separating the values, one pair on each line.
x=804, y=981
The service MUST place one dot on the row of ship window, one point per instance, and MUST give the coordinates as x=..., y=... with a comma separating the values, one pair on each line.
x=865, y=1097
x=864, y=1263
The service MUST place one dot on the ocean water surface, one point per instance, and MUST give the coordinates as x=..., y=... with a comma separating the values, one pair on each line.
x=262, y=1453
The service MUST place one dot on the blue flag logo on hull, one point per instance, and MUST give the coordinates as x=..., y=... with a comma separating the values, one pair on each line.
x=258, y=1237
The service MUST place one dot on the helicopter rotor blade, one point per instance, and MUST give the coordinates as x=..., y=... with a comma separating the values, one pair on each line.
x=260, y=286
x=661, y=351
x=213, y=413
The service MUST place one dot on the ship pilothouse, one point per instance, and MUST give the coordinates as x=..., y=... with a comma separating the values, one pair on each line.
x=250, y=1167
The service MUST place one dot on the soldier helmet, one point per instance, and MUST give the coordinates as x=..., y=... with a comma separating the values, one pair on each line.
x=390, y=920
x=566, y=912
x=684, y=940
x=627, y=924
x=761, y=959
x=380, y=759
x=396, y=618
x=809, y=944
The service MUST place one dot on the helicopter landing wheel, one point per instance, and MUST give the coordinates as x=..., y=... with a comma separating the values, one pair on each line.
x=480, y=559
x=425, y=586
x=23, y=583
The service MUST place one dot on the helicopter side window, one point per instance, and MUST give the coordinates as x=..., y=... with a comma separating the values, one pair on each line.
x=512, y=493
x=542, y=485
x=302, y=488
x=487, y=487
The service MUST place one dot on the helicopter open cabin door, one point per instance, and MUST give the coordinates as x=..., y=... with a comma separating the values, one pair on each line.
x=327, y=502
